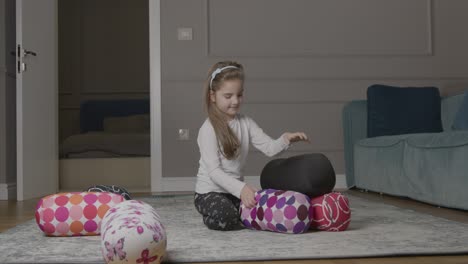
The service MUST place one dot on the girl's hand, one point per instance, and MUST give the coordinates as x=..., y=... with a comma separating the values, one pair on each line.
x=247, y=196
x=295, y=137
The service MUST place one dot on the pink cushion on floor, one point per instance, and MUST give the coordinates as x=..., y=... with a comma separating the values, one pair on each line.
x=278, y=211
x=331, y=212
x=74, y=213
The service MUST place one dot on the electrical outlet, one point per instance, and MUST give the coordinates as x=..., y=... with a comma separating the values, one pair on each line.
x=184, y=33
x=184, y=134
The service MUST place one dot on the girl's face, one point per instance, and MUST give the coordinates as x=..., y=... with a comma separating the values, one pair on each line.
x=228, y=98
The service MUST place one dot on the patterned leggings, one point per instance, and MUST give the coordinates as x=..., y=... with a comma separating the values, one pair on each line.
x=220, y=211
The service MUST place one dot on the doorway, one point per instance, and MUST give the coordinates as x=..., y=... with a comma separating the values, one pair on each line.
x=104, y=94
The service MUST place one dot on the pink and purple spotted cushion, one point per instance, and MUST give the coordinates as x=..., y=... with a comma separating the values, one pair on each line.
x=331, y=212
x=278, y=211
x=74, y=213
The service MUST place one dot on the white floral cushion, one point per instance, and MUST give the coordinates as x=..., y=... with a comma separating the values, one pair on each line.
x=132, y=232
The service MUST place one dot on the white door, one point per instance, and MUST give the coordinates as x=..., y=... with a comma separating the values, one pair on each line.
x=36, y=98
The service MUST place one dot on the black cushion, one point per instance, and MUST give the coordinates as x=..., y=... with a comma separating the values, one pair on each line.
x=310, y=174
x=397, y=110
x=110, y=188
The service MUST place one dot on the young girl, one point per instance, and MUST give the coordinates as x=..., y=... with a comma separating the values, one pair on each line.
x=224, y=140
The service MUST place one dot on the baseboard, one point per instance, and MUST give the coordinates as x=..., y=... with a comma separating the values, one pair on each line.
x=176, y=184
x=8, y=191
x=341, y=182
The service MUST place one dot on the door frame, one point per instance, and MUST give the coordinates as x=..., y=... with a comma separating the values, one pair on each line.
x=155, y=94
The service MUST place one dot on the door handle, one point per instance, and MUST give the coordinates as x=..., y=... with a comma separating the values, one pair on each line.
x=29, y=52
x=22, y=52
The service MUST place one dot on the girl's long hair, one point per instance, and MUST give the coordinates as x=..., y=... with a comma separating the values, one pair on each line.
x=228, y=142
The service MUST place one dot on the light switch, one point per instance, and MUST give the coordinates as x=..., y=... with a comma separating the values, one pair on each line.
x=184, y=33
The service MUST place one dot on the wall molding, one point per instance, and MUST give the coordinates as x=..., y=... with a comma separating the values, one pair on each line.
x=308, y=53
x=68, y=108
x=337, y=78
x=95, y=92
x=305, y=150
x=176, y=184
x=8, y=191
x=295, y=102
x=206, y=10
x=65, y=107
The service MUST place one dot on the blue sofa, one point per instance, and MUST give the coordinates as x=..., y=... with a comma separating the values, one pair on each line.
x=428, y=167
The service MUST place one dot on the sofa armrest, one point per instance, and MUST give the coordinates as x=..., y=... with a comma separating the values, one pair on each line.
x=354, y=129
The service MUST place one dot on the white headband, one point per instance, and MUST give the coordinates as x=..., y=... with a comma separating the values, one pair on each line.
x=218, y=70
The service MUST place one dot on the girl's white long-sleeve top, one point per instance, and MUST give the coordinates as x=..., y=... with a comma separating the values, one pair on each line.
x=218, y=174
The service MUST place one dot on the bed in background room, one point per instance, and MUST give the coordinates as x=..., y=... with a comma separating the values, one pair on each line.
x=112, y=148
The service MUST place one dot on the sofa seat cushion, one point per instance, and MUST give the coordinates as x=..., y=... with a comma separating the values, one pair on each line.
x=435, y=169
x=438, y=140
x=383, y=141
x=378, y=163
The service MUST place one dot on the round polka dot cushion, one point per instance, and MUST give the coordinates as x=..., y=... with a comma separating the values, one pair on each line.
x=74, y=213
x=132, y=232
x=278, y=211
x=331, y=212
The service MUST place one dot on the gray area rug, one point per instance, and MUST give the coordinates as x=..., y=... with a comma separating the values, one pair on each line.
x=376, y=230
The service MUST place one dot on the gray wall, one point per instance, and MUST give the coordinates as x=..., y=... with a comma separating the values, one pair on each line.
x=103, y=54
x=7, y=96
x=304, y=60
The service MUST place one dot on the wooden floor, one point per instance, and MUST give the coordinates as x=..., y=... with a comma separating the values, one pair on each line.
x=13, y=213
